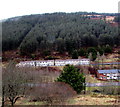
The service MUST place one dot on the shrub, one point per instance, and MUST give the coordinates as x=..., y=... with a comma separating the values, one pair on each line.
x=107, y=49
x=93, y=51
x=100, y=50
x=46, y=53
x=81, y=52
x=33, y=56
x=50, y=58
x=51, y=93
x=111, y=90
x=75, y=54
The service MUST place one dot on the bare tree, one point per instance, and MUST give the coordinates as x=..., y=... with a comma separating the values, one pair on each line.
x=98, y=59
x=103, y=58
x=13, y=83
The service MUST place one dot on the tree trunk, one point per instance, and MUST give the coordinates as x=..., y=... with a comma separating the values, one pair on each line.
x=12, y=103
x=3, y=98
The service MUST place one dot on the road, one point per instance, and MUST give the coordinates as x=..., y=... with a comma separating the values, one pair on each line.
x=110, y=63
x=103, y=84
x=87, y=84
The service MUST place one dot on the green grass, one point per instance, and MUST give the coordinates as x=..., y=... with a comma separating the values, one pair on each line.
x=90, y=79
x=71, y=101
x=90, y=90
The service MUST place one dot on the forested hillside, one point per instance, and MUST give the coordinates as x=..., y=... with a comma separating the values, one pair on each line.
x=56, y=32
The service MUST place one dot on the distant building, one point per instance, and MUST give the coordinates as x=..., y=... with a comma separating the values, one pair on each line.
x=109, y=74
x=54, y=62
x=110, y=18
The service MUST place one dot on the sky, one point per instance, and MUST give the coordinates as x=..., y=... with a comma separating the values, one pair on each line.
x=12, y=8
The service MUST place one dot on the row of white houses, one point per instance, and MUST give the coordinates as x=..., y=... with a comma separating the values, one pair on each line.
x=54, y=62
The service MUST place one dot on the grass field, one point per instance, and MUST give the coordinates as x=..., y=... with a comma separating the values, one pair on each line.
x=93, y=99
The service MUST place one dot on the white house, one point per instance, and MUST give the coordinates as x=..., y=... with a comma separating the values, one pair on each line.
x=54, y=62
x=109, y=74
x=84, y=62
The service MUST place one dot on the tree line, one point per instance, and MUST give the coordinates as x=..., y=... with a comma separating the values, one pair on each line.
x=57, y=32
x=91, y=52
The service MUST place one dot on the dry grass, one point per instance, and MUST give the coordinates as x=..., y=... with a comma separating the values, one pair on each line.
x=79, y=100
x=93, y=100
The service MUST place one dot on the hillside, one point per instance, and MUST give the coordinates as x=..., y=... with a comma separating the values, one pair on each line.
x=62, y=32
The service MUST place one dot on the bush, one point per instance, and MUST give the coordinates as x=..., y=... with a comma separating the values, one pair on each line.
x=107, y=49
x=51, y=93
x=73, y=77
x=75, y=54
x=33, y=56
x=100, y=50
x=50, y=58
x=111, y=90
x=81, y=52
x=93, y=51
x=46, y=53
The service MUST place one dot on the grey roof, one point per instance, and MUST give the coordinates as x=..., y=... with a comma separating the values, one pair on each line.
x=109, y=71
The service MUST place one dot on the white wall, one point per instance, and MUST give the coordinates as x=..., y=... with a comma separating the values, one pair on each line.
x=113, y=76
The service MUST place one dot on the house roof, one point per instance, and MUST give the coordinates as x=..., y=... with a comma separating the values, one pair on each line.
x=109, y=71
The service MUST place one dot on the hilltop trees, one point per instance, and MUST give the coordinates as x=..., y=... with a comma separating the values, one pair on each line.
x=73, y=77
x=60, y=45
x=28, y=48
x=106, y=40
x=56, y=32
x=14, y=31
x=89, y=40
